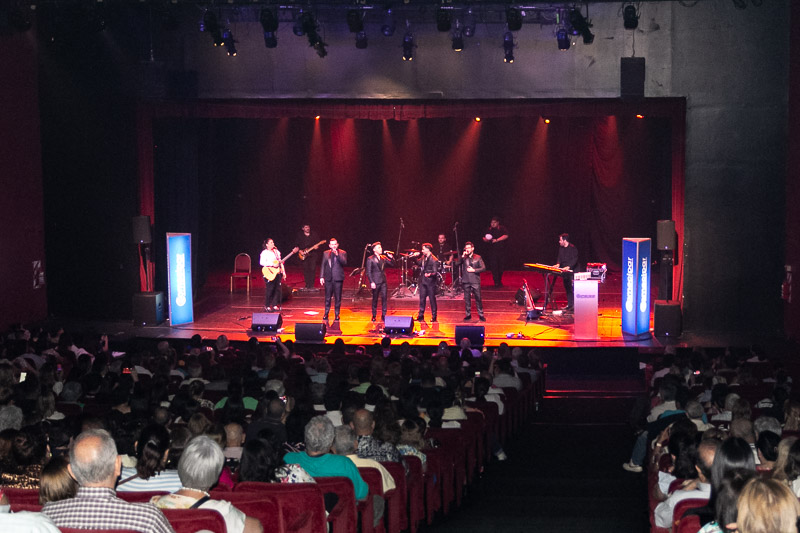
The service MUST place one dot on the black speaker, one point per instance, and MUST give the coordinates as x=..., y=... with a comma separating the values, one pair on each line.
x=266, y=322
x=310, y=331
x=631, y=77
x=148, y=308
x=475, y=334
x=141, y=230
x=398, y=325
x=665, y=235
x=667, y=319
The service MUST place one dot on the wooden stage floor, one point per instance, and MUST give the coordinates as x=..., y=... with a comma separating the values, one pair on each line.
x=218, y=311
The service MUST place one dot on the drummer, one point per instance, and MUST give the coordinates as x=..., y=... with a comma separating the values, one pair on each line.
x=444, y=251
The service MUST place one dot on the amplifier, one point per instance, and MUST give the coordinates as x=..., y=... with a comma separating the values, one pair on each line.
x=596, y=271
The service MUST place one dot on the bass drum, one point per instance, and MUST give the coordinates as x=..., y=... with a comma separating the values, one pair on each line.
x=413, y=273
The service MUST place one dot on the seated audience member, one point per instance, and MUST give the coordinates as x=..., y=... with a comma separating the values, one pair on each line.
x=694, y=410
x=767, y=449
x=199, y=469
x=28, y=455
x=56, y=483
x=234, y=440
x=95, y=465
x=150, y=473
x=792, y=416
x=504, y=375
x=368, y=446
x=767, y=506
x=727, y=498
x=726, y=414
x=27, y=522
x=260, y=462
x=742, y=428
x=333, y=406
x=792, y=468
x=319, y=435
x=345, y=443
x=412, y=440
x=779, y=468
x=270, y=415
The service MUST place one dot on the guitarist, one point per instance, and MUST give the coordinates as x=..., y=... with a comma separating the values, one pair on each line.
x=331, y=276
x=271, y=260
x=307, y=239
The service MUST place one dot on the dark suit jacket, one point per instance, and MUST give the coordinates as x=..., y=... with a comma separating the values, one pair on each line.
x=430, y=266
x=375, y=269
x=335, y=273
x=475, y=262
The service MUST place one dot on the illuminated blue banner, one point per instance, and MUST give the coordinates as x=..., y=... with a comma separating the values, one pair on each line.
x=179, y=266
x=635, y=286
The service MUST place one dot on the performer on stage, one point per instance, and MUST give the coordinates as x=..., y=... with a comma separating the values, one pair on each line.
x=307, y=239
x=568, y=259
x=429, y=270
x=443, y=250
x=471, y=267
x=496, y=237
x=331, y=276
x=274, y=272
x=377, y=277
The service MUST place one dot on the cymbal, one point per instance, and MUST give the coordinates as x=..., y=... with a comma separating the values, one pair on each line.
x=451, y=252
x=412, y=251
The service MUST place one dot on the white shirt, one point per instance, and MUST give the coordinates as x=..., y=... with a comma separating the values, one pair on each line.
x=664, y=510
x=270, y=258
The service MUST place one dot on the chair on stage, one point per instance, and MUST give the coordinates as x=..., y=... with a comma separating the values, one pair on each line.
x=242, y=266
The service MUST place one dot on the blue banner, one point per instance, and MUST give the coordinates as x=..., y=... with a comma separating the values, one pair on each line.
x=179, y=266
x=636, y=286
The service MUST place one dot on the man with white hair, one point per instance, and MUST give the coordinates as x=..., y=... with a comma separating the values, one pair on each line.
x=95, y=465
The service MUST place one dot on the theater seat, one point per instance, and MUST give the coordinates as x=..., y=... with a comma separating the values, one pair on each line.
x=343, y=518
x=300, y=505
x=187, y=520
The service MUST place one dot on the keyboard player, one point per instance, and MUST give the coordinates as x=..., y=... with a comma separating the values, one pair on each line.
x=567, y=260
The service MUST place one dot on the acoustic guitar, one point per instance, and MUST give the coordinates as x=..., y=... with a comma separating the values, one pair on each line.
x=271, y=272
x=304, y=253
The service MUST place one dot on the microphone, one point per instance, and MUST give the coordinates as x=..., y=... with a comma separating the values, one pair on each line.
x=455, y=226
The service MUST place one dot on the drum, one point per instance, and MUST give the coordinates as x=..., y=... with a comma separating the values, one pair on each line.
x=413, y=273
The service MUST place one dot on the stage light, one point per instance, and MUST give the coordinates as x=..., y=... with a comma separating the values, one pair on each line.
x=306, y=25
x=229, y=42
x=269, y=23
x=210, y=25
x=477, y=119
x=563, y=39
x=508, y=47
x=580, y=26
x=361, y=40
x=316, y=117
x=639, y=116
x=458, y=40
x=443, y=20
x=408, y=46
x=354, y=21
x=547, y=121
x=469, y=24
x=389, y=24
x=630, y=18
x=513, y=19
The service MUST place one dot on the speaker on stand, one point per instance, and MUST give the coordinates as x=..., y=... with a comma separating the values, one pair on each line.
x=666, y=239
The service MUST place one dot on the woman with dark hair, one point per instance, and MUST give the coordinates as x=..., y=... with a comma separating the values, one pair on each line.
x=767, y=448
x=260, y=462
x=152, y=451
x=29, y=452
x=725, y=507
x=56, y=483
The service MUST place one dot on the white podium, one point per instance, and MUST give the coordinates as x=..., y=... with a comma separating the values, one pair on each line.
x=585, y=309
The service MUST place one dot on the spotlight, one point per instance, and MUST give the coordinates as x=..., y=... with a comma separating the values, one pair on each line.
x=389, y=25
x=269, y=23
x=408, y=46
x=443, y=20
x=211, y=25
x=508, y=47
x=547, y=121
x=513, y=19
x=580, y=26
x=639, y=116
x=630, y=18
x=458, y=40
x=477, y=119
x=229, y=42
x=361, y=40
x=563, y=39
x=307, y=25
x=354, y=21
x=469, y=23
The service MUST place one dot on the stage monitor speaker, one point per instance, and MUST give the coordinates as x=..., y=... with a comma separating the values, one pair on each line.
x=141, y=230
x=667, y=319
x=665, y=235
x=310, y=331
x=266, y=322
x=475, y=334
x=148, y=308
x=398, y=325
x=631, y=77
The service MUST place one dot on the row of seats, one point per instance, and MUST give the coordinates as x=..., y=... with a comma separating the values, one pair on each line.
x=420, y=496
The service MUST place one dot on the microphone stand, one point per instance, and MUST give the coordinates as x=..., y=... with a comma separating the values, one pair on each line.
x=360, y=286
x=402, y=290
x=456, y=288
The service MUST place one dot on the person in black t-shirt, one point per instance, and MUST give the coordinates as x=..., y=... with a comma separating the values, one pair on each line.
x=567, y=259
x=496, y=237
x=307, y=239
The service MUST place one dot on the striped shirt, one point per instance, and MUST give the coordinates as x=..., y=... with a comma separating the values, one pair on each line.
x=166, y=480
x=99, y=508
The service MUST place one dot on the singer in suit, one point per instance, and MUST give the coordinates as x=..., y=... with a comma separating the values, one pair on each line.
x=377, y=277
x=471, y=265
x=428, y=272
x=331, y=276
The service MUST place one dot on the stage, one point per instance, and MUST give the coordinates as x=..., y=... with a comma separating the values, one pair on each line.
x=219, y=311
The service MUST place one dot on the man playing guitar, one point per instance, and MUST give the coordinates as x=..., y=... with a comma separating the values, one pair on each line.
x=308, y=242
x=274, y=272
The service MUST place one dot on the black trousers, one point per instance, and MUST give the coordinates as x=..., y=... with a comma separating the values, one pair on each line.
x=310, y=270
x=427, y=290
x=379, y=290
x=569, y=290
x=333, y=288
x=273, y=295
x=495, y=261
x=471, y=289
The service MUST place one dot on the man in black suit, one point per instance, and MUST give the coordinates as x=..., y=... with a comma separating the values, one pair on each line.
x=471, y=265
x=428, y=273
x=377, y=278
x=331, y=276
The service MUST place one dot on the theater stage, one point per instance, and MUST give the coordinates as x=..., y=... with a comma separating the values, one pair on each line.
x=218, y=311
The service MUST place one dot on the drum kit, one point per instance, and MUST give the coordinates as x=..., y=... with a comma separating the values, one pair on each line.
x=410, y=272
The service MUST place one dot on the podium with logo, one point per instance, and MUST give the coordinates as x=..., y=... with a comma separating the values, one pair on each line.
x=585, y=293
x=636, y=286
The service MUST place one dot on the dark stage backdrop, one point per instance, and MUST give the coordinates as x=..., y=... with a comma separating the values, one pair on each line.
x=233, y=182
